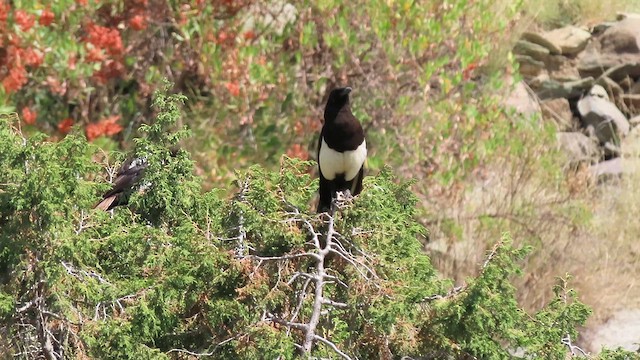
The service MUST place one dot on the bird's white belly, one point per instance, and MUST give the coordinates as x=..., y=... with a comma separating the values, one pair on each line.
x=333, y=163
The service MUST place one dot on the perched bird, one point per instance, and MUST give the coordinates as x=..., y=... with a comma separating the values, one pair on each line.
x=128, y=175
x=342, y=150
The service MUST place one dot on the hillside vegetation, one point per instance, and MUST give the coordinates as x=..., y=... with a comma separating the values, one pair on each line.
x=459, y=246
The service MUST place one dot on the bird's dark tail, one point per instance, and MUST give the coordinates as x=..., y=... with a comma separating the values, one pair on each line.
x=106, y=203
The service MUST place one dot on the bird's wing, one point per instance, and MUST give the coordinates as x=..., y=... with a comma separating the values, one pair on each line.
x=128, y=174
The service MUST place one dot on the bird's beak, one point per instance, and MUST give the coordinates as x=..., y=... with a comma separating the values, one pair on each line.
x=346, y=90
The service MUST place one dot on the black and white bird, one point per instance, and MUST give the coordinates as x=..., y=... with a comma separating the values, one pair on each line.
x=127, y=177
x=342, y=150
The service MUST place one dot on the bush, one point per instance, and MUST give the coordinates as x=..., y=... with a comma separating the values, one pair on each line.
x=181, y=271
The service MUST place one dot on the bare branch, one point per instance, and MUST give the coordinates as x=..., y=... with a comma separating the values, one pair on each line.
x=574, y=349
x=332, y=346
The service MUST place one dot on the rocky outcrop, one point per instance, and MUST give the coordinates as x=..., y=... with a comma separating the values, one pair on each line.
x=587, y=82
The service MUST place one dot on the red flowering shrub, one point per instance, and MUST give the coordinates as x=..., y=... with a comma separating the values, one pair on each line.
x=108, y=127
x=64, y=126
x=138, y=22
x=104, y=38
x=47, y=17
x=15, y=79
x=28, y=116
x=24, y=20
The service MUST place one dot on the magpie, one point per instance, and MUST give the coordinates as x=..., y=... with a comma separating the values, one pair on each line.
x=342, y=150
x=128, y=175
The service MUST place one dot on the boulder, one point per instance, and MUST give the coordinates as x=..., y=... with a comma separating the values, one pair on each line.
x=522, y=101
x=623, y=37
x=627, y=15
x=595, y=64
x=578, y=147
x=634, y=88
x=559, y=111
x=631, y=144
x=626, y=83
x=562, y=69
x=275, y=14
x=569, y=39
x=634, y=121
x=632, y=101
x=535, y=51
x=600, y=28
x=607, y=121
x=607, y=169
x=529, y=66
x=550, y=89
x=542, y=41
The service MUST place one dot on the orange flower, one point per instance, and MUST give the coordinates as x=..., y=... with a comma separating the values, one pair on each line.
x=111, y=127
x=82, y=2
x=94, y=54
x=24, y=20
x=29, y=116
x=47, y=17
x=106, y=126
x=64, y=126
x=233, y=88
x=105, y=38
x=33, y=57
x=15, y=79
x=93, y=131
x=138, y=22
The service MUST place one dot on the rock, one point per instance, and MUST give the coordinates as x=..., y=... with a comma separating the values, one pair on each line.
x=600, y=28
x=626, y=83
x=623, y=37
x=607, y=121
x=537, y=82
x=522, y=101
x=611, y=86
x=542, y=41
x=607, y=169
x=621, y=330
x=529, y=66
x=569, y=39
x=559, y=111
x=634, y=88
x=620, y=65
x=619, y=72
x=275, y=14
x=631, y=144
x=634, y=121
x=632, y=101
x=535, y=51
x=626, y=15
x=578, y=147
x=550, y=89
x=562, y=69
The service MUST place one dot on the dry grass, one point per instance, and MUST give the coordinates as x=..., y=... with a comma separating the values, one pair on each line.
x=554, y=13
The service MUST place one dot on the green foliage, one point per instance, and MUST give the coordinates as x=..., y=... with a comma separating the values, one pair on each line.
x=181, y=270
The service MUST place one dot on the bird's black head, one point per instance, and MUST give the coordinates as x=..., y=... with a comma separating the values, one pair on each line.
x=338, y=99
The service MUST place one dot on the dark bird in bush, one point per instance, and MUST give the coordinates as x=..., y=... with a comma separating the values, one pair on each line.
x=342, y=150
x=127, y=177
